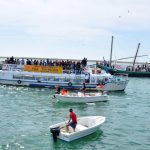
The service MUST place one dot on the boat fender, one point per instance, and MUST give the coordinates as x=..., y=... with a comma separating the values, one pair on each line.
x=55, y=132
x=69, y=84
x=19, y=81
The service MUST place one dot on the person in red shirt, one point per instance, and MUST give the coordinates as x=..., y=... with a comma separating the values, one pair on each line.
x=63, y=91
x=72, y=120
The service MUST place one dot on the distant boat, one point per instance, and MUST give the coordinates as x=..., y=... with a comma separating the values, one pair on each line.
x=85, y=126
x=130, y=73
x=81, y=98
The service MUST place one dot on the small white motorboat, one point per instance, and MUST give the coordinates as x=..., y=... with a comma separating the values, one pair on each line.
x=85, y=126
x=81, y=97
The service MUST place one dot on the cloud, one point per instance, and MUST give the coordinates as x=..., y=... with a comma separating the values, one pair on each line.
x=48, y=16
x=75, y=21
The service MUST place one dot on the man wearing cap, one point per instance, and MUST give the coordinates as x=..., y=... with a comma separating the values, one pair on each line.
x=72, y=120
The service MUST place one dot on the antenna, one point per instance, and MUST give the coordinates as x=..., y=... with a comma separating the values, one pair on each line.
x=136, y=55
x=111, y=51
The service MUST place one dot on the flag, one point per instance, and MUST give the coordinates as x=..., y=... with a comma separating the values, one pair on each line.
x=86, y=69
x=119, y=67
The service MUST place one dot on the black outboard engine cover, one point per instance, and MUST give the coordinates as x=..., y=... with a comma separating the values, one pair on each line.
x=55, y=132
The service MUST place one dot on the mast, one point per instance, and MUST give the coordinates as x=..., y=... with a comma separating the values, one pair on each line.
x=129, y=57
x=111, y=51
x=136, y=55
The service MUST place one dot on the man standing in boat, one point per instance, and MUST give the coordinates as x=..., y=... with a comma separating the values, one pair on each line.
x=72, y=120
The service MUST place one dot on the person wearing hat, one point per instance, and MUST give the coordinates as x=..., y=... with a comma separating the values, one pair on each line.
x=72, y=120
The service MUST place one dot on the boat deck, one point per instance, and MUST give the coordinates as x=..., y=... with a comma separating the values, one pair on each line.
x=79, y=127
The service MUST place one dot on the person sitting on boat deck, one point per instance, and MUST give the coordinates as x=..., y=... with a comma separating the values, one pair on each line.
x=72, y=120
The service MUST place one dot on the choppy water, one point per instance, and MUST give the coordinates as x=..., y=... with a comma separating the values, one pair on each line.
x=26, y=113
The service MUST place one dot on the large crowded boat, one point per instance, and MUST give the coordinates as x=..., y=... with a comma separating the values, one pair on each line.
x=54, y=76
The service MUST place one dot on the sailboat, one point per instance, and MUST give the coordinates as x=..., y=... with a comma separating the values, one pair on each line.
x=129, y=70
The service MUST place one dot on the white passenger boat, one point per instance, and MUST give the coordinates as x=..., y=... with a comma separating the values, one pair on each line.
x=113, y=83
x=81, y=97
x=85, y=126
x=68, y=81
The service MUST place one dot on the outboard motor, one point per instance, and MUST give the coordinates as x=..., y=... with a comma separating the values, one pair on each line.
x=55, y=132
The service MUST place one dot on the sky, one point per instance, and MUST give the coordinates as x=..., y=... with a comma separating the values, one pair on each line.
x=74, y=29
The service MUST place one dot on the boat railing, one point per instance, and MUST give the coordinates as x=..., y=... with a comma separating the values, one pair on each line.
x=124, y=75
x=72, y=71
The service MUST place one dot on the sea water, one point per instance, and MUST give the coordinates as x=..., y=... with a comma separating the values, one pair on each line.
x=26, y=114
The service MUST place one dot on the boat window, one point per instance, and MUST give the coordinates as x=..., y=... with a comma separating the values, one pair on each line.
x=45, y=78
x=67, y=79
x=56, y=79
x=100, y=78
x=17, y=76
x=62, y=79
x=78, y=77
x=51, y=78
x=38, y=78
x=78, y=80
x=92, y=80
x=28, y=77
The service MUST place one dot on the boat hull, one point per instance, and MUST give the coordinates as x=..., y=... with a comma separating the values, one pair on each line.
x=81, y=98
x=67, y=81
x=85, y=126
x=113, y=86
x=130, y=73
x=45, y=84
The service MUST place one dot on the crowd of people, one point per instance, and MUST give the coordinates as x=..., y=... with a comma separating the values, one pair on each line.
x=138, y=68
x=74, y=66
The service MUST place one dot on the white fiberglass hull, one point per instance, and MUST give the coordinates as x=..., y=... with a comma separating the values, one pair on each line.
x=114, y=86
x=85, y=126
x=68, y=81
x=15, y=82
x=87, y=98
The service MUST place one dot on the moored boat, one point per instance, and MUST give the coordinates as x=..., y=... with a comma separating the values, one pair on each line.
x=130, y=73
x=85, y=126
